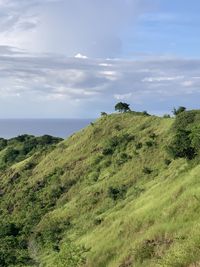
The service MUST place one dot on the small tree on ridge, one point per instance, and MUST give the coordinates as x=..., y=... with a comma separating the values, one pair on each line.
x=122, y=107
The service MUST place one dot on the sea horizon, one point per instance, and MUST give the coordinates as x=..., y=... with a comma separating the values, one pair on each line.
x=58, y=127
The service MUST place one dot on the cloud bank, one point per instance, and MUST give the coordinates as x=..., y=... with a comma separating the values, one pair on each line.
x=90, y=27
x=65, y=87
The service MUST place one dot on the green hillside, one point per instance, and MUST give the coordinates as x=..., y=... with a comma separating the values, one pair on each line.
x=125, y=191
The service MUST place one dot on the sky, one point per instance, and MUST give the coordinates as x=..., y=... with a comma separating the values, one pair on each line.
x=76, y=58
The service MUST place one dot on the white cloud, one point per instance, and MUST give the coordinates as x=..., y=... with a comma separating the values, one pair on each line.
x=80, y=56
x=123, y=96
x=162, y=79
x=69, y=85
x=69, y=26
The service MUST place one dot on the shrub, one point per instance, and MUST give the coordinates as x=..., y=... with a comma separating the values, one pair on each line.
x=179, y=110
x=98, y=221
x=149, y=143
x=186, y=140
x=138, y=145
x=11, y=155
x=3, y=143
x=107, y=151
x=181, y=146
x=117, y=192
x=103, y=114
x=147, y=170
x=183, y=120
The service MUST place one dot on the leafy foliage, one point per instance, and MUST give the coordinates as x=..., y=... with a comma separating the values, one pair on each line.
x=179, y=110
x=122, y=107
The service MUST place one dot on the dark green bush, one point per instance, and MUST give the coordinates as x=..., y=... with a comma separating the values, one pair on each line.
x=3, y=143
x=186, y=140
x=184, y=119
x=149, y=143
x=117, y=192
x=178, y=110
x=181, y=146
x=147, y=170
x=98, y=221
x=107, y=151
x=138, y=145
x=11, y=155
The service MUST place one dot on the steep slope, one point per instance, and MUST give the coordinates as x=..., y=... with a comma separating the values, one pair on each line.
x=109, y=195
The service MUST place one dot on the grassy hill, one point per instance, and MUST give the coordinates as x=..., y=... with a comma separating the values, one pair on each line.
x=122, y=192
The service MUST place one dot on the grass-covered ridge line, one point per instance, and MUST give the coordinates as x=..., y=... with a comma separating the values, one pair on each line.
x=114, y=194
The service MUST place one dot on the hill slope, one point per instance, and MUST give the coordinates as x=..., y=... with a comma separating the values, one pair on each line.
x=108, y=196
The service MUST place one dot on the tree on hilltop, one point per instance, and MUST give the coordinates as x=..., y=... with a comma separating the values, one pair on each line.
x=122, y=107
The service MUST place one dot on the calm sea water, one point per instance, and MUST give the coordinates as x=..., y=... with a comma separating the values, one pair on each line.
x=56, y=127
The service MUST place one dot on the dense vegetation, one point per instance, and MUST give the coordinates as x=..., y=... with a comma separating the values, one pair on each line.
x=123, y=192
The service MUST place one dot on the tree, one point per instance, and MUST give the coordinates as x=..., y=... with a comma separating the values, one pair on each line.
x=179, y=110
x=122, y=107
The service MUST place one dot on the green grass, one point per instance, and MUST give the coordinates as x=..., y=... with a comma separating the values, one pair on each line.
x=77, y=205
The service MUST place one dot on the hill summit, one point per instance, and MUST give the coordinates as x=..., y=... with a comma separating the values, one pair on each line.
x=125, y=191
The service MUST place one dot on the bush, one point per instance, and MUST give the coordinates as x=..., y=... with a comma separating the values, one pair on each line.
x=138, y=145
x=178, y=111
x=117, y=192
x=3, y=143
x=11, y=155
x=149, y=143
x=181, y=146
x=186, y=140
x=183, y=120
x=107, y=151
x=98, y=221
x=147, y=170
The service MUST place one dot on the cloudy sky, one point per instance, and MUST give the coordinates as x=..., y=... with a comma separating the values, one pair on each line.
x=76, y=58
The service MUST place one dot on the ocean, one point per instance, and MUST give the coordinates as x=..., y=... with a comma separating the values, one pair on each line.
x=56, y=127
